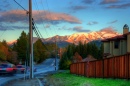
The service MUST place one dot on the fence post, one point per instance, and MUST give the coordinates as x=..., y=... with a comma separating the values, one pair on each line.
x=84, y=68
x=128, y=56
x=114, y=68
x=95, y=69
x=103, y=68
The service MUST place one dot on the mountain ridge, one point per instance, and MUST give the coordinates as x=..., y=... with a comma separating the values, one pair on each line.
x=76, y=37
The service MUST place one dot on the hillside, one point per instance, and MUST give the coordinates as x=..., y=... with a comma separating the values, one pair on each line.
x=76, y=37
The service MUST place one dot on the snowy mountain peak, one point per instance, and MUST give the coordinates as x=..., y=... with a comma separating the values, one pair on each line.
x=83, y=37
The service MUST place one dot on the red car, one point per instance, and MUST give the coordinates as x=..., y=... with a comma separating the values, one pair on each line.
x=6, y=68
x=20, y=68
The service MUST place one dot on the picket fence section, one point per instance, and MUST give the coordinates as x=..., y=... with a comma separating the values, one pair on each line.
x=114, y=67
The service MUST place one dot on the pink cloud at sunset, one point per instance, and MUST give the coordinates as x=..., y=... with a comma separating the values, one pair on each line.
x=39, y=16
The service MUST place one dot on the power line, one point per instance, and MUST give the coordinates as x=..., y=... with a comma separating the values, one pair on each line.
x=37, y=33
x=50, y=14
x=45, y=14
x=3, y=33
x=21, y=6
x=36, y=5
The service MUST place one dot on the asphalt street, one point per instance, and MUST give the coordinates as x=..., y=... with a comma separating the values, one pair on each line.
x=46, y=66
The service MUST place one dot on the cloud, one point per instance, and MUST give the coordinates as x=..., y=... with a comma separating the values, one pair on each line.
x=80, y=29
x=88, y=1
x=20, y=27
x=122, y=6
x=109, y=1
x=92, y=23
x=77, y=8
x=4, y=27
x=47, y=26
x=39, y=17
x=10, y=26
x=109, y=29
x=13, y=16
x=1, y=9
x=64, y=27
x=113, y=21
x=54, y=18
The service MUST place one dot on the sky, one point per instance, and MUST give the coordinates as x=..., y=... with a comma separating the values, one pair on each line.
x=62, y=17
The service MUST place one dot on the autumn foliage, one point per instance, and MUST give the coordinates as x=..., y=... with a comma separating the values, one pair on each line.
x=6, y=53
x=77, y=57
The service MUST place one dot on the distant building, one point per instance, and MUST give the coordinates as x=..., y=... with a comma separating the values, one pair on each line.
x=118, y=45
x=89, y=58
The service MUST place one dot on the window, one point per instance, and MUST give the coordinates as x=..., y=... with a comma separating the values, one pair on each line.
x=116, y=44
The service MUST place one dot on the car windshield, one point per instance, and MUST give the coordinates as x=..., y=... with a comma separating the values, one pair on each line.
x=19, y=66
x=4, y=65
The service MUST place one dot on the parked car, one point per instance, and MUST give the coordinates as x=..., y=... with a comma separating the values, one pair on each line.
x=20, y=68
x=6, y=68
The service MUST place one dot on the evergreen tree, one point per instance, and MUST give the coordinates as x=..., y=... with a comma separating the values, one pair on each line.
x=70, y=51
x=39, y=51
x=94, y=51
x=64, y=62
x=101, y=52
x=21, y=46
x=84, y=51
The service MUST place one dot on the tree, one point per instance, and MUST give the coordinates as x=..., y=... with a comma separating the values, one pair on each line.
x=77, y=57
x=100, y=52
x=21, y=47
x=2, y=56
x=39, y=51
x=12, y=57
x=70, y=51
x=3, y=51
x=74, y=53
x=64, y=62
x=95, y=51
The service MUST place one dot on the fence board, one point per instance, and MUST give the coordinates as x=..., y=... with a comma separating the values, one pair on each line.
x=114, y=67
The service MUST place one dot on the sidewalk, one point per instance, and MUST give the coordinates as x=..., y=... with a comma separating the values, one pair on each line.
x=20, y=82
x=30, y=82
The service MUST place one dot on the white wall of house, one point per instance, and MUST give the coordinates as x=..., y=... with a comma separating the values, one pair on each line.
x=106, y=47
x=116, y=51
x=111, y=48
x=123, y=47
x=128, y=43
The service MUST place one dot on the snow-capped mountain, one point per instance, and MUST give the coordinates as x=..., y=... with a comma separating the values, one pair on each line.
x=83, y=37
x=87, y=37
x=12, y=42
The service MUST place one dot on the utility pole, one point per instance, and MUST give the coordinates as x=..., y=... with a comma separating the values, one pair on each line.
x=30, y=40
x=56, y=53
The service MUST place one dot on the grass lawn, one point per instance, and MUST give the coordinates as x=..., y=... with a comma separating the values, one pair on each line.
x=67, y=79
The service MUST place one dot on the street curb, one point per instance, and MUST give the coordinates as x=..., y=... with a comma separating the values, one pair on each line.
x=40, y=84
x=10, y=80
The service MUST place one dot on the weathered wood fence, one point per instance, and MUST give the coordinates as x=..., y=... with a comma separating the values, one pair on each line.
x=114, y=67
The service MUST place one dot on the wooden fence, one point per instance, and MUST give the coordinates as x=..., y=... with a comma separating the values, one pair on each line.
x=114, y=67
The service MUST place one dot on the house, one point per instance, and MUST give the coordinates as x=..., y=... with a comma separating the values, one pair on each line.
x=118, y=45
x=89, y=58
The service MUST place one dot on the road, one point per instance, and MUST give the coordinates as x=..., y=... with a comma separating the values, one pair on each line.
x=47, y=65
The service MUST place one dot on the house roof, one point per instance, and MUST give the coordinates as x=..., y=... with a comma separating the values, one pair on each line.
x=88, y=59
x=119, y=37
